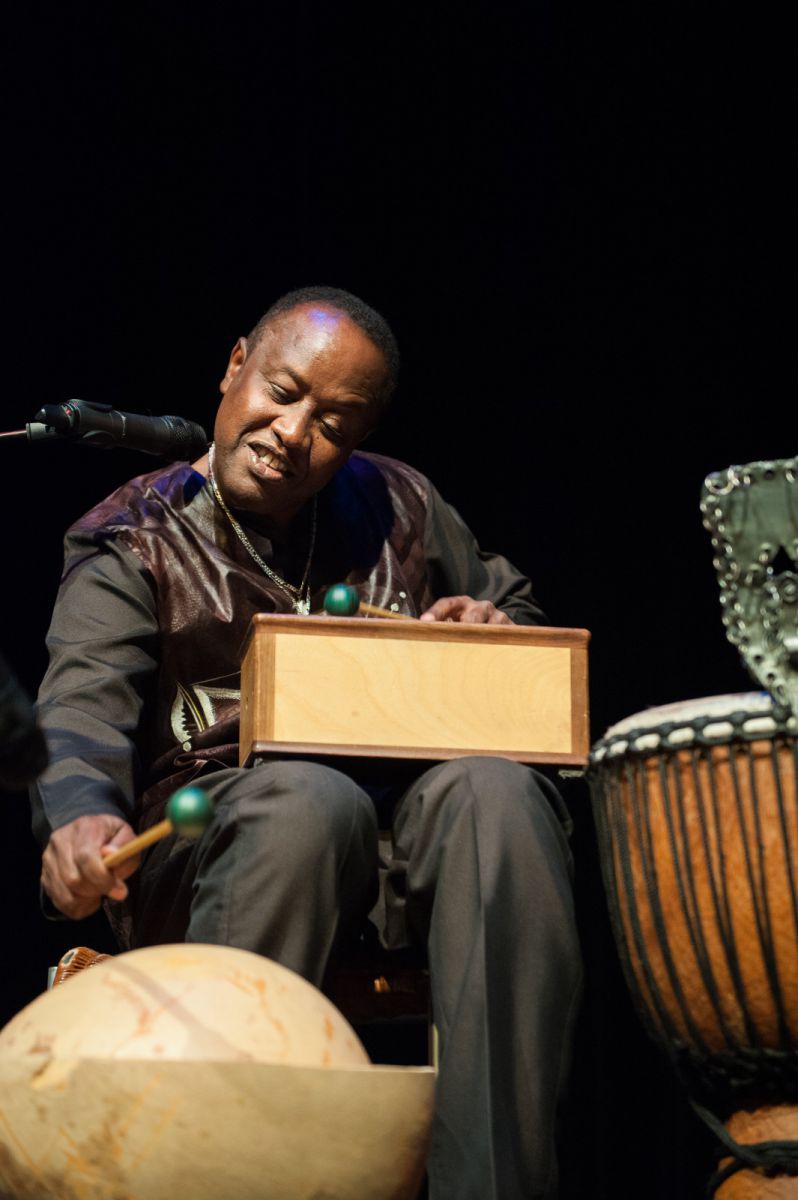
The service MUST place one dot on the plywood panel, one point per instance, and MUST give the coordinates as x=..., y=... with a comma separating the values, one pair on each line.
x=422, y=694
x=413, y=689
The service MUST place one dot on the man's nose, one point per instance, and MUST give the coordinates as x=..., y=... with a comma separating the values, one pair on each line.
x=292, y=425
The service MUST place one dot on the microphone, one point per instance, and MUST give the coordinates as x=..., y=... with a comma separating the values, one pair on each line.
x=102, y=426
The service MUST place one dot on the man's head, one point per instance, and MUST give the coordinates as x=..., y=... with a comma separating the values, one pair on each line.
x=375, y=327
x=299, y=394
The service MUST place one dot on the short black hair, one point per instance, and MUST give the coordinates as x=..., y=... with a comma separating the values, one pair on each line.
x=373, y=324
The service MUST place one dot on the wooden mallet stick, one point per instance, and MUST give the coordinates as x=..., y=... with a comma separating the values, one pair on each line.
x=342, y=600
x=187, y=812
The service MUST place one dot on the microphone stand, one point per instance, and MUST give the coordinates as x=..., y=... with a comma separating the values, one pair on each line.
x=34, y=431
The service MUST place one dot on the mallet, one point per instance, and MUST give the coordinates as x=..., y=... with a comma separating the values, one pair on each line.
x=188, y=811
x=342, y=600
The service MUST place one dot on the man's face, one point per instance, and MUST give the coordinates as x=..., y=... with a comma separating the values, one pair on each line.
x=294, y=409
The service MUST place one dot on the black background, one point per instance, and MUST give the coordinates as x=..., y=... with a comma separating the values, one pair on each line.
x=575, y=220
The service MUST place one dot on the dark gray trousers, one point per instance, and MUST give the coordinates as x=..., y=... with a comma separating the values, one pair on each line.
x=481, y=876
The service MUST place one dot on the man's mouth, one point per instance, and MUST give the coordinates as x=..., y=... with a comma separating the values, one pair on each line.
x=266, y=462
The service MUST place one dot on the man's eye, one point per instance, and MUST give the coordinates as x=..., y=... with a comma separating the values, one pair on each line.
x=332, y=432
x=279, y=395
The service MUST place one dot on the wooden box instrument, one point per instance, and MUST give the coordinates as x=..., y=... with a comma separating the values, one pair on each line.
x=413, y=689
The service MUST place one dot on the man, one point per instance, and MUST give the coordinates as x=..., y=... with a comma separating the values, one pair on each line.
x=160, y=583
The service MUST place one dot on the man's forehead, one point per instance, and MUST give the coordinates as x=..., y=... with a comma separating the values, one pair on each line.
x=324, y=318
x=312, y=329
x=313, y=321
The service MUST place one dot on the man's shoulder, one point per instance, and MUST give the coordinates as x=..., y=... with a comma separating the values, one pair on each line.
x=368, y=466
x=143, y=502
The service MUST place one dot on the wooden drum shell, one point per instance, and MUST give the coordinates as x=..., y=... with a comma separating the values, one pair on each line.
x=699, y=851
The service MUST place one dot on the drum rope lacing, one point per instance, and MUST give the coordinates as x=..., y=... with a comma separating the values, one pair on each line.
x=776, y=1157
x=706, y=730
x=745, y=1070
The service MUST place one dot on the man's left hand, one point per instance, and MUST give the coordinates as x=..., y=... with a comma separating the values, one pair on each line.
x=466, y=611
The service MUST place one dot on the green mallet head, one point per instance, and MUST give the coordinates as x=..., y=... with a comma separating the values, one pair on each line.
x=190, y=810
x=341, y=600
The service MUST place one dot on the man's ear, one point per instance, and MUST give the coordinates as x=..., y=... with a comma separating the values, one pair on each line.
x=238, y=356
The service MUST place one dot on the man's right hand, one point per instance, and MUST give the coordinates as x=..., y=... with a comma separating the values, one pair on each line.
x=73, y=874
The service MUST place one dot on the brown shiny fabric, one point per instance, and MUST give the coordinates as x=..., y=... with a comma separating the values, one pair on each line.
x=207, y=589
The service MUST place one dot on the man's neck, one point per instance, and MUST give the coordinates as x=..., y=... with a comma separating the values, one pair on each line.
x=280, y=530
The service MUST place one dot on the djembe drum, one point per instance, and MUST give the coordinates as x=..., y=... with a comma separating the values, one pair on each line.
x=696, y=811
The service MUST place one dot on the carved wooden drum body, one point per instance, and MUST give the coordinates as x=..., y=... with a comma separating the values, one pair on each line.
x=697, y=813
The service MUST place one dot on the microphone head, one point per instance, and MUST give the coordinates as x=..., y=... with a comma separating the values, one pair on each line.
x=188, y=440
x=102, y=427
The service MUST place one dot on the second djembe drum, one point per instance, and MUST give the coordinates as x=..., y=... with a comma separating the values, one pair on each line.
x=698, y=827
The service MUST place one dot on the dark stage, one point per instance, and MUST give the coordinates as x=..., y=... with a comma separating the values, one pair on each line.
x=574, y=221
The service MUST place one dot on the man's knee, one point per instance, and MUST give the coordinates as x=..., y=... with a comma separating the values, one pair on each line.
x=301, y=803
x=497, y=801
x=483, y=774
x=480, y=782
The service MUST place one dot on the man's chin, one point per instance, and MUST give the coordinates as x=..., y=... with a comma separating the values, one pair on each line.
x=246, y=487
